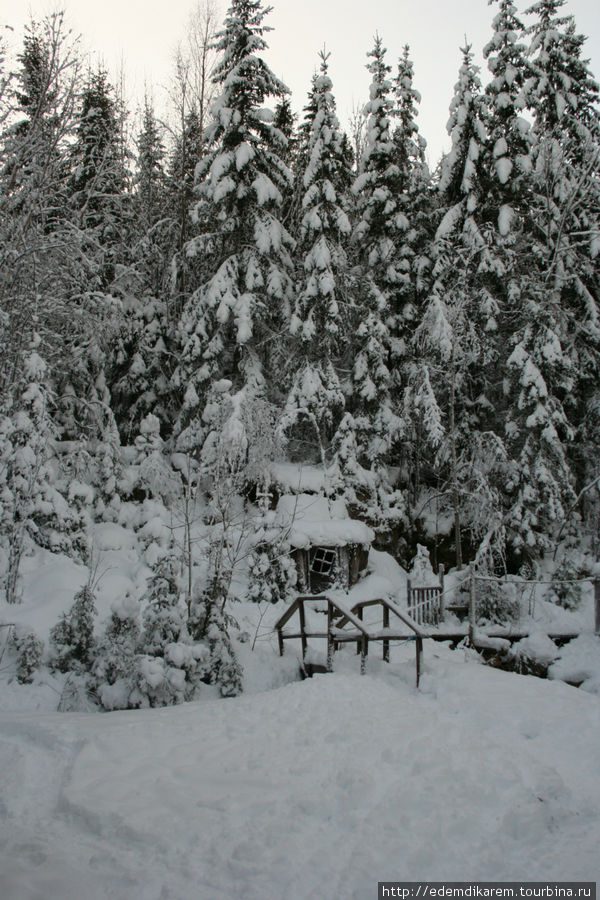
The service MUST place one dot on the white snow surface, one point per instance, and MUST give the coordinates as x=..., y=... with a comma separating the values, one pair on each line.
x=300, y=479
x=312, y=790
x=298, y=790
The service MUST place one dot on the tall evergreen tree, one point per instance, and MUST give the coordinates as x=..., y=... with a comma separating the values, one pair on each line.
x=39, y=258
x=141, y=361
x=322, y=302
x=372, y=426
x=564, y=334
x=377, y=235
x=455, y=383
x=186, y=153
x=99, y=178
x=416, y=200
x=538, y=482
x=232, y=325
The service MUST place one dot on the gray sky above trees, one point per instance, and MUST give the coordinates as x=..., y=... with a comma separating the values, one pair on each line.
x=143, y=34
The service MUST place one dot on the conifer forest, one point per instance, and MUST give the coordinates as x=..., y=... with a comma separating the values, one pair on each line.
x=195, y=319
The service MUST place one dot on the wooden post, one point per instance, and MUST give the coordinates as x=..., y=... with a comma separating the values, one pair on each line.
x=359, y=615
x=472, y=614
x=364, y=653
x=330, y=646
x=442, y=611
x=408, y=595
x=280, y=639
x=597, y=605
x=302, y=615
x=419, y=654
x=386, y=643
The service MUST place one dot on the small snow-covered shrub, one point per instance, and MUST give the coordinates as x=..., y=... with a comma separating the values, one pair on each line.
x=117, y=664
x=155, y=475
x=496, y=604
x=563, y=591
x=78, y=694
x=153, y=534
x=72, y=638
x=171, y=666
x=29, y=653
x=211, y=623
x=271, y=574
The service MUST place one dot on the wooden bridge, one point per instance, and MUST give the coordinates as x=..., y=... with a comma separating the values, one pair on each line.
x=425, y=607
x=346, y=625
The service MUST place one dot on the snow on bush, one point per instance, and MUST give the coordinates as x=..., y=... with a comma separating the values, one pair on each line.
x=566, y=589
x=29, y=653
x=72, y=638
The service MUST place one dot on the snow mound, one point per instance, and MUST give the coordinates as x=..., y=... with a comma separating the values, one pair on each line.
x=579, y=663
x=314, y=789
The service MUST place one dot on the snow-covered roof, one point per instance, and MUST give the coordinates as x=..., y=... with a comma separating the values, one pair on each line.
x=318, y=522
x=294, y=477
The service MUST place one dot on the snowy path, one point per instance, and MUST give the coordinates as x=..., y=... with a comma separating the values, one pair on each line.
x=313, y=790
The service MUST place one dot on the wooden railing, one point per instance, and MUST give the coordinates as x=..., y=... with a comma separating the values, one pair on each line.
x=338, y=617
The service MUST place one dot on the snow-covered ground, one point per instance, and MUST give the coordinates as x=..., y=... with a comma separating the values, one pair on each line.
x=315, y=789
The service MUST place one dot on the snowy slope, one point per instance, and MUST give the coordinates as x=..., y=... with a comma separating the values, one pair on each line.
x=315, y=789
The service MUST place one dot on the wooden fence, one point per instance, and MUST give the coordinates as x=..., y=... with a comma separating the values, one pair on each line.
x=426, y=604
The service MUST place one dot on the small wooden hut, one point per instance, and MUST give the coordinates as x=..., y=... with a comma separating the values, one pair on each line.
x=329, y=548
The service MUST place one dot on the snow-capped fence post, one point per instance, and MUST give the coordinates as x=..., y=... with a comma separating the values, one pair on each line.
x=597, y=605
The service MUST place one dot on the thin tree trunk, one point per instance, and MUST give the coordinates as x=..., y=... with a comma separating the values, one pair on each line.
x=455, y=490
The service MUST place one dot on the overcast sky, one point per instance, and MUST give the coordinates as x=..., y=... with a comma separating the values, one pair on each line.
x=144, y=34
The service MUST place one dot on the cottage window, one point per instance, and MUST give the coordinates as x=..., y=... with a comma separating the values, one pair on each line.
x=322, y=561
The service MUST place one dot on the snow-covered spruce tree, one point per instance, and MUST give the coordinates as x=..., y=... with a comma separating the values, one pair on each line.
x=150, y=204
x=171, y=665
x=319, y=324
x=184, y=276
x=538, y=485
x=101, y=205
x=509, y=140
x=72, y=639
x=211, y=624
x=271, y=572
x=230, y=324
x=155, y=475
x=141, y=362
x=34, y=508
x=286, y=122
x=455, y=379
x=116, y=667
x=372, y=427
x=39, y=253
x=416, y=198
x=563, y=98
x=378, y=188
x=30, y=651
